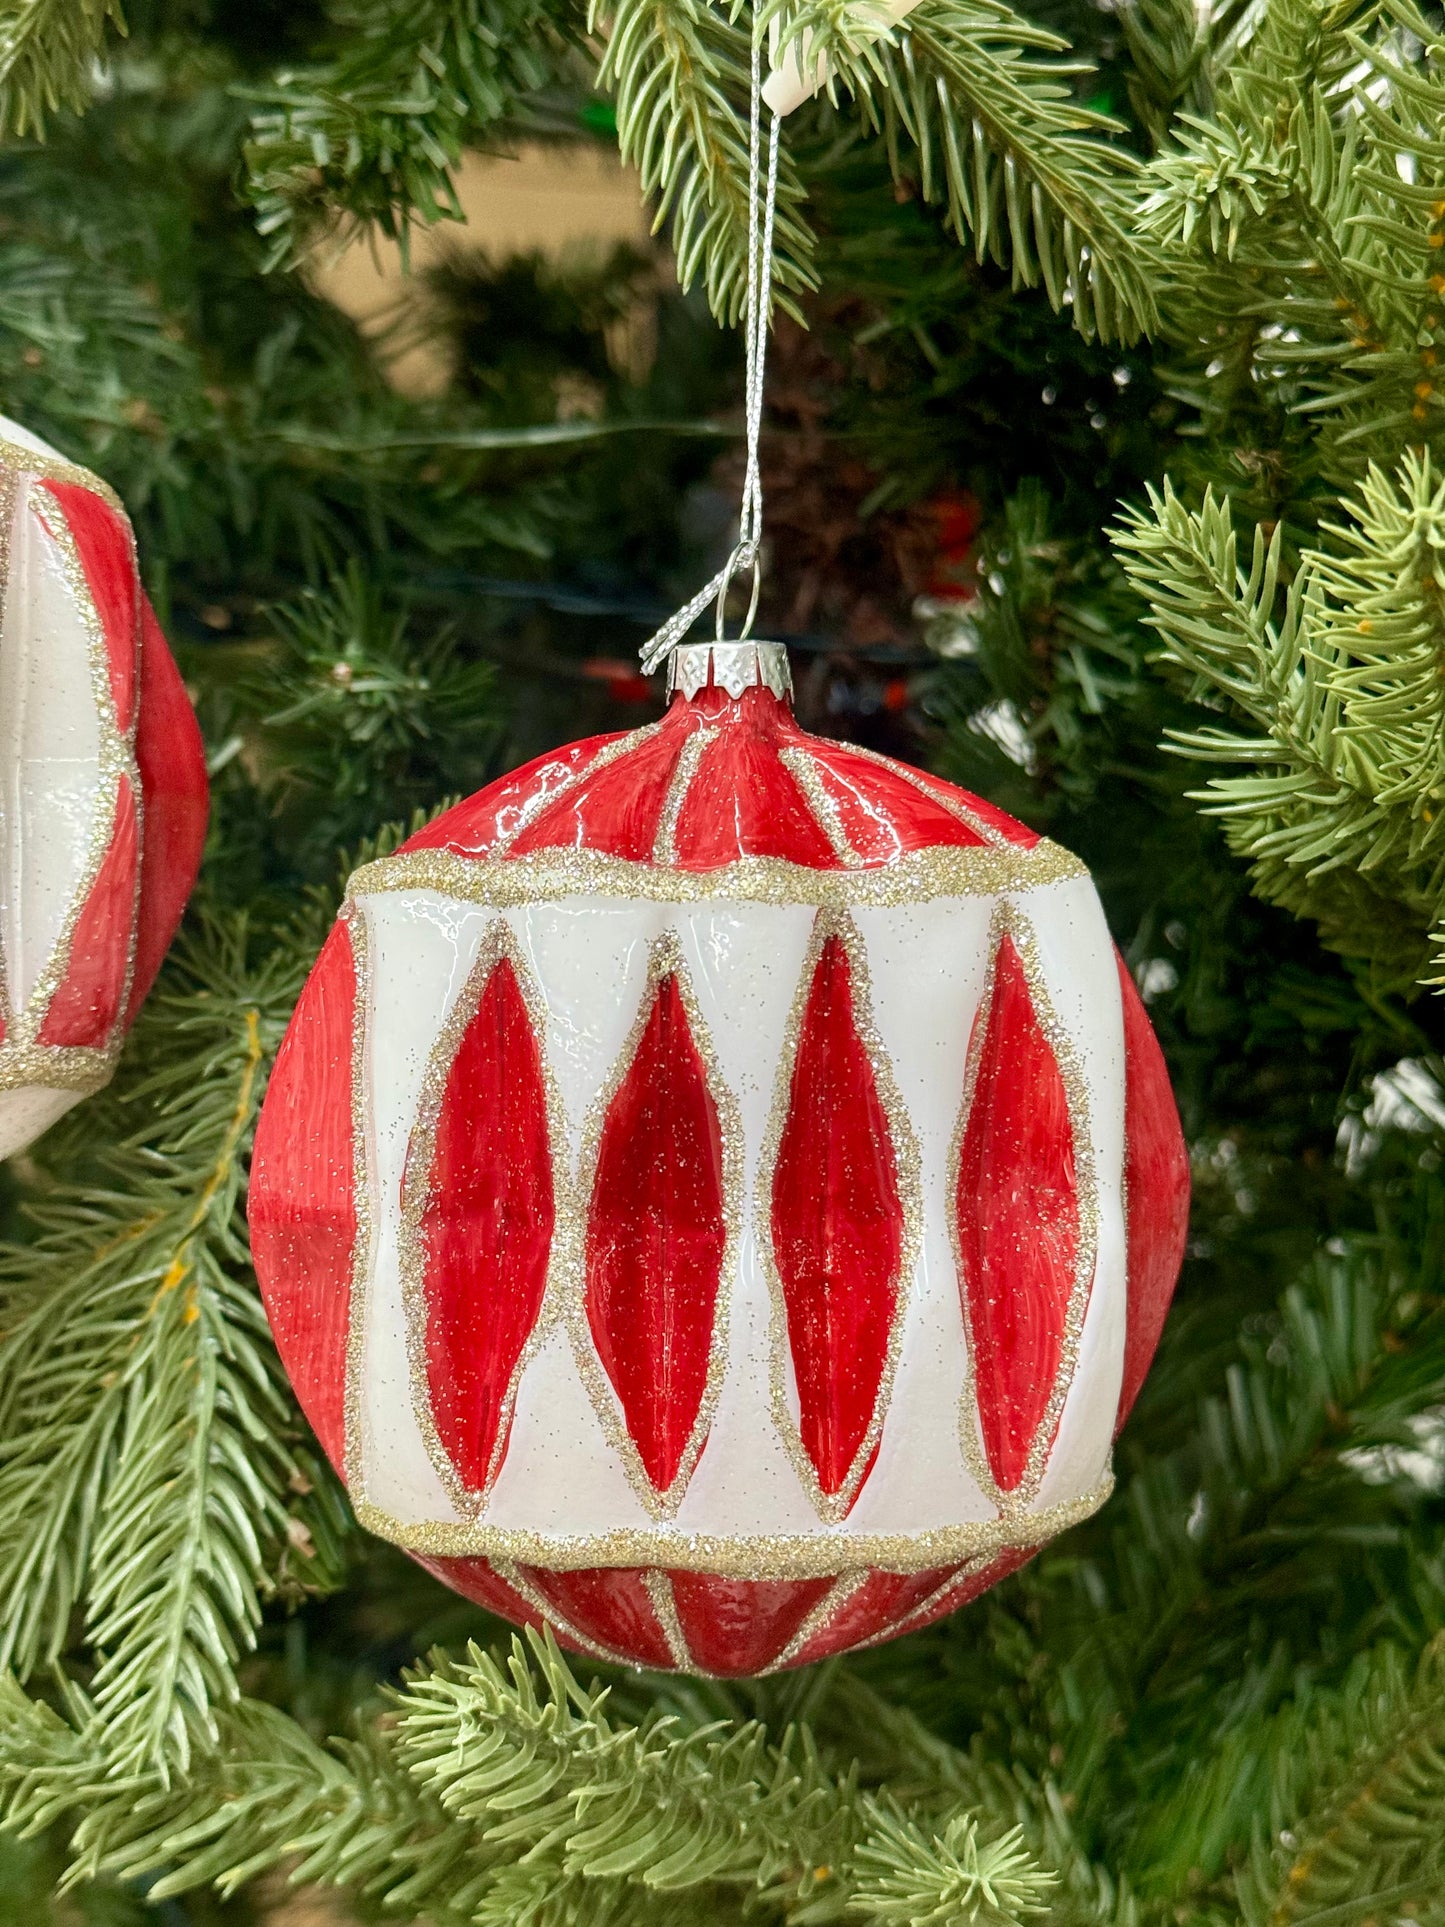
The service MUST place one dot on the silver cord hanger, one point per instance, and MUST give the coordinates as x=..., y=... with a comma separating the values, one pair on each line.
x=746, y=553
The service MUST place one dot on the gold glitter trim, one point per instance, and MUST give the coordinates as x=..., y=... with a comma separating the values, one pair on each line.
x=801, y=1555
x=354, y=1454
x=918, y=877
x=497, y=943
x=664, y=960
x=804, y=772
x=834, y=1507
x=55, y=468
x=115, y=758
x=658, y=1588
x=970, y=1569
x=509, y=1574
x=529, y=811
x=927, y=785
x=1009, y=920
x=819, y=1616
x=60, y=1067
x=664, y=849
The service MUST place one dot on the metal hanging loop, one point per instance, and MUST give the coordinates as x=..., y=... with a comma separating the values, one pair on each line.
x=747, y=553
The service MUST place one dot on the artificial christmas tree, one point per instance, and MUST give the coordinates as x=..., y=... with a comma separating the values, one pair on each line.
x=1215, y=1701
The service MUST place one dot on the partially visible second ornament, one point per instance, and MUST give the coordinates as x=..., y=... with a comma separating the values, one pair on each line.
x=103, y=795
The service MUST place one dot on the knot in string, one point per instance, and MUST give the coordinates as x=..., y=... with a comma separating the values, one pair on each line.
x=746, y=553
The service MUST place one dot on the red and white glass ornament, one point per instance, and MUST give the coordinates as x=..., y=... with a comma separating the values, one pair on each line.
x=103, y=795
x=720, y=1191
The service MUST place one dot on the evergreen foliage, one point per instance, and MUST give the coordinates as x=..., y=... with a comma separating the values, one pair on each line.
x=376, y=129
x=1166, y=271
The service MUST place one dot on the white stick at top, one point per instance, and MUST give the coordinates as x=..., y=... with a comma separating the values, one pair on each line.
x=800, y=75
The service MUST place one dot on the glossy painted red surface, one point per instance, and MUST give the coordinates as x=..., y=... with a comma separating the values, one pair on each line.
x=878, y=1601
x=610, y=1605
x=1017, y=1219
x=86, y=1006
x=475, y=1579
x=614, y=810
x=735, y=1627
x=837, y=1225
x=731, y=1628
x=655, y=1236
x=966, y=1584
x=1156, y=1181
x=742, y=799
x=103, y=543
x=171, y=759
x=302, y=1198
x=486, y=1225
x=884, y=814
x=474, y=827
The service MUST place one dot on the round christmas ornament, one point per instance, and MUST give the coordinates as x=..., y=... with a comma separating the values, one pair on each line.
x=103, y=795
x=720, y=1191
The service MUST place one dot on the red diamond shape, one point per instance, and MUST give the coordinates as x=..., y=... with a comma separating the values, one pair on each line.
x=837, y=1224
x=656, y=1233
x=486, y=1226
x=1018, y=1220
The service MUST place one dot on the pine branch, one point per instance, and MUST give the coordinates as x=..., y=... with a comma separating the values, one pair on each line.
x=909, y=1880
x=264, y=1795
x=1300, y=228
x=148, y=1468
x=546, y=1772
x=997, y=136
x=680, y=70
x=1355, y=1828
x=1290, y=1482
x=1177, y=53
x=1340, y=823
x=1264, y=141
x=892, y=1750
x=376, y=134
x=48, y=53
x=1055, y=630
x=509, y=1796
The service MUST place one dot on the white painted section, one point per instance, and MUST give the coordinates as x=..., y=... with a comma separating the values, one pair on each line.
x=560, y=1473
x=745, y=961
x=1076, y=957
x=927, y=963
x=588, y=959
x=55, y=812
x=420, y=949
x=26, y=1112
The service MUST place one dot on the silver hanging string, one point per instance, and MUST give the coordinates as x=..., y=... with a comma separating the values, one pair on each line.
x=747, y=552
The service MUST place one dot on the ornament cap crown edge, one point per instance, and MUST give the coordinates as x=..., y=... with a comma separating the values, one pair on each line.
x=733, y=666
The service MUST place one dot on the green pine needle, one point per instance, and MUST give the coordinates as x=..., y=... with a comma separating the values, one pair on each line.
x=1339, y=816
x=48, y=53
x=950, y=1880
x=149, y=1473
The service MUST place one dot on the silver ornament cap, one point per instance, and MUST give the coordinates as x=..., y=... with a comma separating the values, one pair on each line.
x=733, y=666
